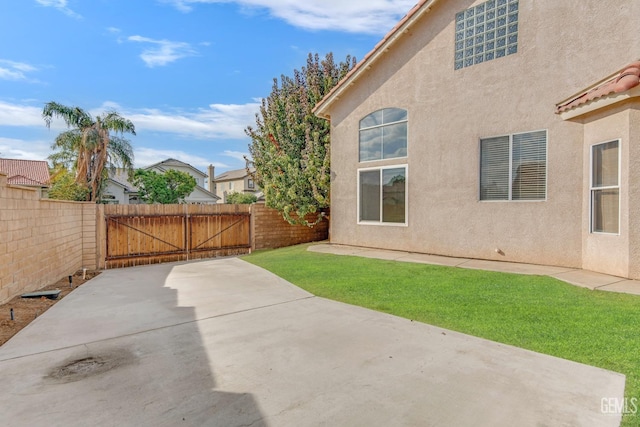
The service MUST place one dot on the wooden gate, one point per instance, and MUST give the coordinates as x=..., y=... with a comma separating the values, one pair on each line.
x=149, y=234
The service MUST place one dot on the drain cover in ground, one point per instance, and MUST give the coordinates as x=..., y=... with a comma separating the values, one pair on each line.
x=49, y=294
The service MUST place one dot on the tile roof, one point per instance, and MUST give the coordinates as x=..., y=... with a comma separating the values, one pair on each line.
x=232, y=175
x=626, y=79
x=26, y=172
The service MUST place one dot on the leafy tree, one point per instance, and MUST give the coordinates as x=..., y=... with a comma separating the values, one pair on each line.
x=290, y=145
x=88, y=148
x=170, y=187
x=64, y=187
x=236, y=198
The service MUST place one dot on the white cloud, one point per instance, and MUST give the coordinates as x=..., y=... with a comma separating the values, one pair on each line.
x=163, y=52
x=20, y=115
x=26, y=116
x=26, y=150
x=147, y=156
x=217, y=121
x=238, y=155
x=12, y=70
x=61, y=5
x=223, y=121
x=355, y=16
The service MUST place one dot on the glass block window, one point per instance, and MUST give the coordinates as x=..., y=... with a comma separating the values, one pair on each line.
x=485, y=32
x=383, y=135
x=514, y=167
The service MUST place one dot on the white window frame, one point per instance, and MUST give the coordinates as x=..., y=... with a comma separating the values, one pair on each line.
x=592, y=189
x=406, y=197
x=380, y=126
x=510, y=191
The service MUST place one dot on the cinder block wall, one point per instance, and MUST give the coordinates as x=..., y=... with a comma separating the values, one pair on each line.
x=270, y=230
x=41, y=241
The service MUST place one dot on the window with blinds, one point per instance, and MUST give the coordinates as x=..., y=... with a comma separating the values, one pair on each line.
x=514, y=167
x=605, y=188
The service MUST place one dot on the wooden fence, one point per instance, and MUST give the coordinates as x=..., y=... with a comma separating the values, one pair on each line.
x=129, y=235
x=148, y=234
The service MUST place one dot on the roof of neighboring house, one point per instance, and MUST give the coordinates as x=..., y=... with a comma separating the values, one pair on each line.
x=234, y=175
x=169, y=163
x=203, y=191
x=620, y=82
x=121, y=177
x=34, y=173
x=402, y=27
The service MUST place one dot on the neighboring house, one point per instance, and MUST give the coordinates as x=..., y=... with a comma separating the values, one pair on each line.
x=120, y=190
x=452, y=136
x=234, y=181
x=27, y=173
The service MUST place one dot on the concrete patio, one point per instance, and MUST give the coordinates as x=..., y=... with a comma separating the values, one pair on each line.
x=224, y=343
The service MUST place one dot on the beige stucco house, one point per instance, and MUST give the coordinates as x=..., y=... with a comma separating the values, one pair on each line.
x=502, y=129
x=233, y=181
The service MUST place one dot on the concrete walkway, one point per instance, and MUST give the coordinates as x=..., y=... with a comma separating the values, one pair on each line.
x=224, y=343
x=574, y=276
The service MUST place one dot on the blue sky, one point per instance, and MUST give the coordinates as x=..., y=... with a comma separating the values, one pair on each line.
x=188, y=73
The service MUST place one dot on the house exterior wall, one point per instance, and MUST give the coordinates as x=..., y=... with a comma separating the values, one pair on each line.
x=198, y=195
x=223, y=188
x=634, y=190
x=610, y=253
x=176, y=166
x=117, y=192
x=450, y=110
x=41, y=241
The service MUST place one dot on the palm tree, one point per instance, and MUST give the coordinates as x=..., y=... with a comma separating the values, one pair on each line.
x=88, y=146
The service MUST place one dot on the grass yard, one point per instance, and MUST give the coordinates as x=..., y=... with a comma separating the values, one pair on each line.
x=538, y=313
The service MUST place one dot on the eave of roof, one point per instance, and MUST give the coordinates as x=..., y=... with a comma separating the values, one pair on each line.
x=383, y=46
x=160, y=165
x=621, y=85
x=23, y=180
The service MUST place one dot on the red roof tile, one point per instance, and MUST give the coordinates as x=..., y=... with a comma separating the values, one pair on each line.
x=625, y=80
x=26, y=172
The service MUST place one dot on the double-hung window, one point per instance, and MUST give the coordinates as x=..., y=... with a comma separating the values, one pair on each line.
x=514, y=167
x=383, y=195
x=605, y=188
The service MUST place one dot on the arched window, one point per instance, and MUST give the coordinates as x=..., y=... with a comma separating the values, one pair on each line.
x=383, y=135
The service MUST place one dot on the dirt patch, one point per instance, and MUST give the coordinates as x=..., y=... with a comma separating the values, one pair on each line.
x=79, y=369
x=25, y=310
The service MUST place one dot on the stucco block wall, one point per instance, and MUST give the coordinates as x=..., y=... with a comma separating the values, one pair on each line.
x=270, y=230
x=450, y=110
x=41, y=241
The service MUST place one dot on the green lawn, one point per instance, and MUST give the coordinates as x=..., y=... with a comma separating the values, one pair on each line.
x=538, y=313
